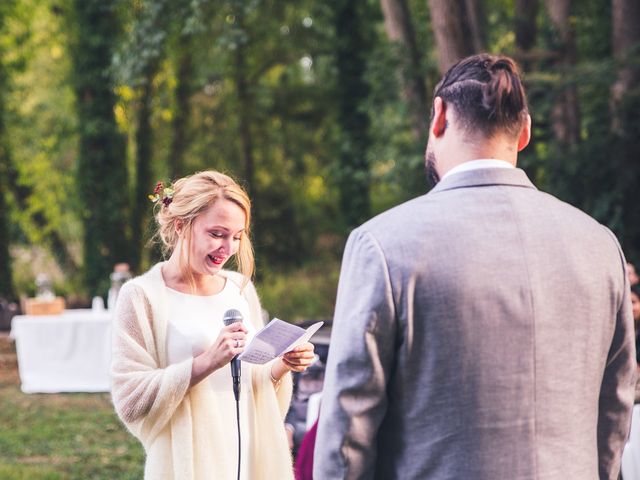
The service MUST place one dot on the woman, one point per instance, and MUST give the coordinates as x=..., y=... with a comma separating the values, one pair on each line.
x=172, y=384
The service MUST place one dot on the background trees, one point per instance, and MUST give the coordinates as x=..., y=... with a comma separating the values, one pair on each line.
x=101, y=164
x=6, y=277
x=320, y=108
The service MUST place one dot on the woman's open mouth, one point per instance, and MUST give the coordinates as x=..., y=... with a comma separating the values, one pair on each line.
x=216, y=259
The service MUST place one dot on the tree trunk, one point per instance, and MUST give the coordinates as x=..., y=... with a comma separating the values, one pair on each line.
x=245, y=106
x=397, y=21
x=451, y=28
x=6, y=278
x=144, y=183
x=474, y=18
x=102, y=174
x=244, y=121
x=626, y=36
x=180, y=120
x=565, y=113
x=526, y=30
x=352, y=43
x=625, y=119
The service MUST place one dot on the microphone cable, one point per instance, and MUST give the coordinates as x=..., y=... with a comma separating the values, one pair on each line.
x=232, y=316
x=239, y=437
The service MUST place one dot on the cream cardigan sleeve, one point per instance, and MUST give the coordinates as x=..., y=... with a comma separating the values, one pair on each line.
x=145, y=394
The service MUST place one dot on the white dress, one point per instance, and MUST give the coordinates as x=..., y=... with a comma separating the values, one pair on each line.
x=195, y=322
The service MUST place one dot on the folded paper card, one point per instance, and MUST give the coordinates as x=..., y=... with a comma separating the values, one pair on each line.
x=275, y=339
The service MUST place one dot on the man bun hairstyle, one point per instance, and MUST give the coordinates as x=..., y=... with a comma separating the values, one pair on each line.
x=487, y=94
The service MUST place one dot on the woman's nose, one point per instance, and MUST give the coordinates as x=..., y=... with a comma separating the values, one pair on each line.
x=226, y=245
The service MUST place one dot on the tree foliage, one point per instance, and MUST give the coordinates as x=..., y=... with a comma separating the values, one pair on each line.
x=309, y=104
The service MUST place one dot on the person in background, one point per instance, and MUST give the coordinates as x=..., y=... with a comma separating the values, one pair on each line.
x=121, y=274
x=306, y=385
x=304, y=459
x=482, y=331
x=635, y=306
x=633, y=275
x=172, y=385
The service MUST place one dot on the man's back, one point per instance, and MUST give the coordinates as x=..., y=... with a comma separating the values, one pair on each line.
x=487, y=311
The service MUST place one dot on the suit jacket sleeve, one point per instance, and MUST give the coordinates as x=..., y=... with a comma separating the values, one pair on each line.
x=618, y=387
x=361, y=357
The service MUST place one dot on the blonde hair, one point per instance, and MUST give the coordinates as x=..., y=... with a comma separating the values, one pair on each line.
x=192, y=196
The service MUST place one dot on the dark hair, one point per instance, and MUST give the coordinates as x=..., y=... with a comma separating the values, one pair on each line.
x=636, y=289
x=486, y=92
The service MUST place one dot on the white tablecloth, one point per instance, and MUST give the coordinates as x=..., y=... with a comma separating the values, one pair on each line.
x=70, y=352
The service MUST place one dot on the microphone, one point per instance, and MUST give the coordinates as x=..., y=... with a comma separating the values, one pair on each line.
x=233, y=316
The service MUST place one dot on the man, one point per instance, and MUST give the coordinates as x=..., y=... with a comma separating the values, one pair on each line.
x=482, y=331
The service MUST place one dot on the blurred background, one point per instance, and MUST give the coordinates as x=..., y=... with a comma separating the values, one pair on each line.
x=320, y=109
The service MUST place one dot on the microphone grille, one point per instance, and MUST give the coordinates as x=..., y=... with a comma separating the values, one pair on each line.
x=232, y=316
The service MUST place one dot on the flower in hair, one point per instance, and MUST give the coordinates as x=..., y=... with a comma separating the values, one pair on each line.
x=162, y=194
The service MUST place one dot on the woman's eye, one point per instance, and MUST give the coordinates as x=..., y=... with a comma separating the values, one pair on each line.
x=216, y=234
x=237, y=239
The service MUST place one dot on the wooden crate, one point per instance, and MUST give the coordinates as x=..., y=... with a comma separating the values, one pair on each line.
x=35, y=306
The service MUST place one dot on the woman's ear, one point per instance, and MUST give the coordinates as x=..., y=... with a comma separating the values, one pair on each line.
x=179, y=226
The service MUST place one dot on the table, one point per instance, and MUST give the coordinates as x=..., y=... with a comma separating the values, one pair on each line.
x=70, y=352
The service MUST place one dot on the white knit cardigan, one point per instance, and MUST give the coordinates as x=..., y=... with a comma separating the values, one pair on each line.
x=174, y=422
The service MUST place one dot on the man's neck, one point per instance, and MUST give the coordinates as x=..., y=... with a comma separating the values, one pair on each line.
x=478, y=164
x=463, y=152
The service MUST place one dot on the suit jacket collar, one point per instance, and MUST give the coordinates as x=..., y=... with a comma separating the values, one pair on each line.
x=485, y=177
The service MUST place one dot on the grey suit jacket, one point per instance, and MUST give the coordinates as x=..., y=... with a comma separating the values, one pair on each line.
x=481, y=332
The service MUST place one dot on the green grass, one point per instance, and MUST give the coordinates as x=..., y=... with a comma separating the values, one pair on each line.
x=64, y=436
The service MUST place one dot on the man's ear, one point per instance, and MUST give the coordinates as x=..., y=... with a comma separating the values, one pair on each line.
x=439, y=123
x=525, y=134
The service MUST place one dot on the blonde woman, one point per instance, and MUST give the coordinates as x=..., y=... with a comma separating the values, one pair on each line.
x=172, y=385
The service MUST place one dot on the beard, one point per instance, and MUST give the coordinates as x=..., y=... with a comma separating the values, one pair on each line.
x=433, y=177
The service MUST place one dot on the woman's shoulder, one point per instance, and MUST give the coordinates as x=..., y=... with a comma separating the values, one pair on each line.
x=147, y=280
x=137, y=295
x=142, y=286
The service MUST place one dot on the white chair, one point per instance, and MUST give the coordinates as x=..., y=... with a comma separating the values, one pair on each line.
x=631, y=453
x=629, y=471
x=313, y=409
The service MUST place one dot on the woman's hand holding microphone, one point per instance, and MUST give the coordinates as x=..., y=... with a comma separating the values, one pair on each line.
x=230, y=342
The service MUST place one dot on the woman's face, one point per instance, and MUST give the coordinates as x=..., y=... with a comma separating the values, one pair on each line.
x=635, y=305
x=215, y=237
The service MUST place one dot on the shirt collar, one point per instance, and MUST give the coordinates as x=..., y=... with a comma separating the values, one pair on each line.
x=477, y=164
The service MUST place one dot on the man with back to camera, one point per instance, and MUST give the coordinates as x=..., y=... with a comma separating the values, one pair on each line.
x=482, y=331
